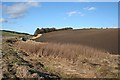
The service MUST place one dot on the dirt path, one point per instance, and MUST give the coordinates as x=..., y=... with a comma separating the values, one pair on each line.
x=38, y=36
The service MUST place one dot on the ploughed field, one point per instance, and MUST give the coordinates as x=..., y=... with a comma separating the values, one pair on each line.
x=102, y=39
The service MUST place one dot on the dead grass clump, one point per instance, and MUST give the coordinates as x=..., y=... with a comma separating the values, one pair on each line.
x=30, y=47
x=73, y=52
x=68, y=51
x=85, y=60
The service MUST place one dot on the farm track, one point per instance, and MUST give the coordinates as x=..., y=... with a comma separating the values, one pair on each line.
x=38, y=36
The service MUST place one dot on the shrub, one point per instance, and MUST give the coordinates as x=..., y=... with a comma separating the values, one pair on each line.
x=12, y=40
x=46, y=30
x=37, y=31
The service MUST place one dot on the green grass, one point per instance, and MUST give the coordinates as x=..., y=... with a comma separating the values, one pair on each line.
x=10, y=34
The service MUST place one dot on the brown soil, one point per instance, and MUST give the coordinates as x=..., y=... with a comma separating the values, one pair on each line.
x=103, y=39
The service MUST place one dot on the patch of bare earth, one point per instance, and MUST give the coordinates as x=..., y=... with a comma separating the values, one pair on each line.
x=36, y=37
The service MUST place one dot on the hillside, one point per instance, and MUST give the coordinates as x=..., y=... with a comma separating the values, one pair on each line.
x=61, y=55
x=16, y=63
x=12, y=33
x=103, y=39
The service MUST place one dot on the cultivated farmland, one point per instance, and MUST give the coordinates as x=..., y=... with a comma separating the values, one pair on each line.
x=103, y=39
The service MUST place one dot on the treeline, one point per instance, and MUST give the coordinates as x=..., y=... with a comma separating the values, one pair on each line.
x=46, y=30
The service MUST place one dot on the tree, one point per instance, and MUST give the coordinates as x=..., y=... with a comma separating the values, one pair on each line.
x=37, y=31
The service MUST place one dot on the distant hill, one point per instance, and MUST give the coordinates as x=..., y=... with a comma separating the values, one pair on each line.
x=12, y=33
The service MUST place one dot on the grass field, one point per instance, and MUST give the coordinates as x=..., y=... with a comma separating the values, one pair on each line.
x=103, y=39
x=11, y=33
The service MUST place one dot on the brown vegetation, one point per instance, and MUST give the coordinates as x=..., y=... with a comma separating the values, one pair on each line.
x=16, y=64
x=68, y=51
x=84, y=59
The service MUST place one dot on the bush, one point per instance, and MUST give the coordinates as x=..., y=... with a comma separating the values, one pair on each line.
x=12, y=40
x=46, y=30
x=37, y=31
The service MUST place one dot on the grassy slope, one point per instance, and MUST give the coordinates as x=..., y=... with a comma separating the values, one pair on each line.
x=11, y=33
x=16, y=63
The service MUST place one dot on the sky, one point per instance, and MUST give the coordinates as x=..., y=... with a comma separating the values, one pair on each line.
x=27, y=16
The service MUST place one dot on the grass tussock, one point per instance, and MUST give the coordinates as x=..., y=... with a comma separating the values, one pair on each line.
x=30, y=47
